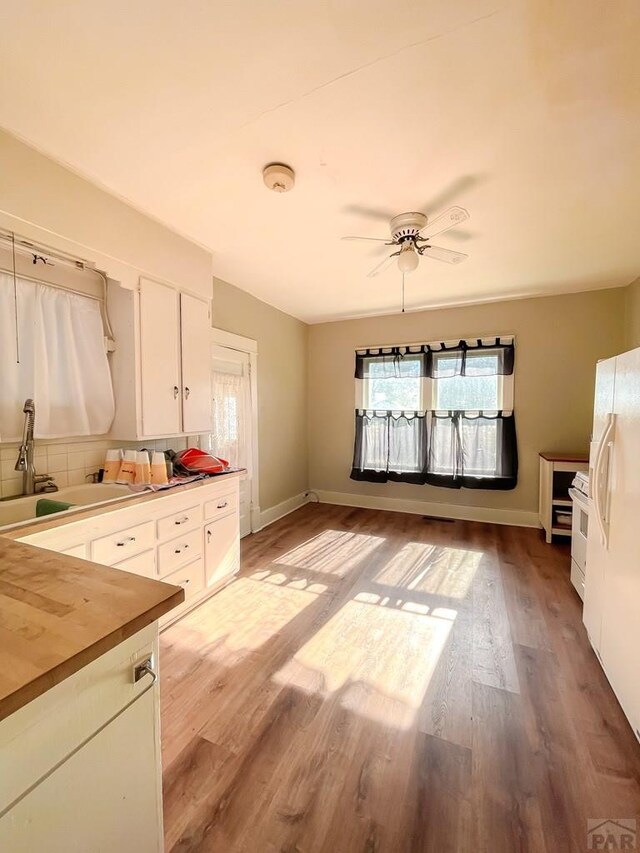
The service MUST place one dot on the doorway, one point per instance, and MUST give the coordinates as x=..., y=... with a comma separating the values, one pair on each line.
x=235, y=421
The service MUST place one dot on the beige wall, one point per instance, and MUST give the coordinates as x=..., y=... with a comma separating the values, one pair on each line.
x=282, y=388
x=632, y=315
x=558, y=341
x=42, y=200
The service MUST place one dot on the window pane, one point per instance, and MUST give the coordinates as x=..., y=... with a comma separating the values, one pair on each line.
x=467, y=392
x=480, y=447
x=389, y=392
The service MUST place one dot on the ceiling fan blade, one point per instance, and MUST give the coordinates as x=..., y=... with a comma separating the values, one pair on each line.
x=449, y=219
x=375, y=239
x=382, y=266
x=446, y=255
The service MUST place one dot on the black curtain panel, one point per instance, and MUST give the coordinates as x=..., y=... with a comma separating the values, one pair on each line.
x=451, y=449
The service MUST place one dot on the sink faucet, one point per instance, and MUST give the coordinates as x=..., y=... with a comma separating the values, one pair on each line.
x=30, y=480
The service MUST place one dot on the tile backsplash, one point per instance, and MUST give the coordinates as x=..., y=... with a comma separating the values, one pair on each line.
x=71, y=461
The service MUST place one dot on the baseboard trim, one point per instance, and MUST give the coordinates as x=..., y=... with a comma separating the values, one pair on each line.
x=511, y=517
x=274, y=513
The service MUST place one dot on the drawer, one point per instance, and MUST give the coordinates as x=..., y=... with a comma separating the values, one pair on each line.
x=221, y=505
x=178, y=522
x=577, y=578
x=190, y=578
x=140, y=564
x=179, y=551
x=118, y=546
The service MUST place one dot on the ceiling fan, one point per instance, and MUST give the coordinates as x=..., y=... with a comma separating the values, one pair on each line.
x=412, y=233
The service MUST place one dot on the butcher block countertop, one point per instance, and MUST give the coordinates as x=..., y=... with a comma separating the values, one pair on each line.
x=59, y=613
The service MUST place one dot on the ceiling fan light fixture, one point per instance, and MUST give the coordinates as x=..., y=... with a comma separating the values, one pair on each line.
x=408, y=259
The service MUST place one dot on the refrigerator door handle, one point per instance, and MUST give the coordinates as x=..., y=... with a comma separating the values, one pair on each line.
x=601, y=455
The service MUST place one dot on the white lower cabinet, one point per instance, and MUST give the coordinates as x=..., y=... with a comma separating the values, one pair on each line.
x=86, y=761
x=190, y=538
x=222, y=548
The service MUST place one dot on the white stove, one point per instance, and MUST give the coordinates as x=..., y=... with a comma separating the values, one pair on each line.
x=581, y=483
x=579, y=494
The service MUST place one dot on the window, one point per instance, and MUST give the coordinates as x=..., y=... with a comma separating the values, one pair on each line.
x=438, y=414
x=394, y=393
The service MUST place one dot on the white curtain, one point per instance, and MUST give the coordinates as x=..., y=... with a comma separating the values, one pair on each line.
x=227, y=437
x=52, y=349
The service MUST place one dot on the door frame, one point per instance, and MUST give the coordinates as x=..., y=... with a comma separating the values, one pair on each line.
x=221, y=338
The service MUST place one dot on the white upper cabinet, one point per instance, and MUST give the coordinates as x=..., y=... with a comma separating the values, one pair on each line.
x=196, y=379
x=161, y=366
x=160, y=358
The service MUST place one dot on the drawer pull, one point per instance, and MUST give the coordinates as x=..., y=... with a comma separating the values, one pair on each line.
x=223, y=505
x=181, y=548
x=126, y=541
x=182, y=520
x=185, y=582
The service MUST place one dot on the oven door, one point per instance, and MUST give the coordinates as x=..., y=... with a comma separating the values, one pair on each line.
x=579, y=529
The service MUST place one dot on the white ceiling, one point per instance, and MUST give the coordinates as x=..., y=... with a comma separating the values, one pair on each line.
x=526, y=113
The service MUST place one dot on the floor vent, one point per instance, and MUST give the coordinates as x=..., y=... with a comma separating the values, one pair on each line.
x=438, y=518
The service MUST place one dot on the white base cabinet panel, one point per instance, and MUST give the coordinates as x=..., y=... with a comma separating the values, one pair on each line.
x=80, y=766
x=101, y=800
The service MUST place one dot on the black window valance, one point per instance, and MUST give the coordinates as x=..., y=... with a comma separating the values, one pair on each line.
x=478, y=357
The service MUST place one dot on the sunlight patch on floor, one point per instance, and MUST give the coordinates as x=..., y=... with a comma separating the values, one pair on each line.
x=240, y=619
x=422, y=567
x=332, y=552
x=376, y=660
x=280, y=579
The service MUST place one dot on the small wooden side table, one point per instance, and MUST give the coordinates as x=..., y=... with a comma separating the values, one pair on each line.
x=557, y=470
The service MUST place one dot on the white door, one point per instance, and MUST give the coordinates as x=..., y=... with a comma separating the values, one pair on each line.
x=231, y=437
x=195, y=328
x=159, y=359
x=620, y=642
x=597, y=555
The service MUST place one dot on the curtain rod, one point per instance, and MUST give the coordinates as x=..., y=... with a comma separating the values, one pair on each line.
x=29, y=247
x=449, y=342
x=22, y=244
x=49, y=284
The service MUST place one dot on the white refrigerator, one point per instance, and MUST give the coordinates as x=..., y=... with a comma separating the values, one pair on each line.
x=612, y=577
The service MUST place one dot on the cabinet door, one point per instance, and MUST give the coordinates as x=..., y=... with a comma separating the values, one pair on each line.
x=102, y=799
x=196, y=374
x=222, y=549
x=159, y=358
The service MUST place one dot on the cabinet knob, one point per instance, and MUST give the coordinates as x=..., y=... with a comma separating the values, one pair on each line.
x=176, y=391
x=186, y=392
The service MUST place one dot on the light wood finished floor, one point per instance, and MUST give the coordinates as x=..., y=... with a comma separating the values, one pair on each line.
x=375, y=682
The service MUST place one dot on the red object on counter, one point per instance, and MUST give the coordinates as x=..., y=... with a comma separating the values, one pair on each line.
x=197, y=461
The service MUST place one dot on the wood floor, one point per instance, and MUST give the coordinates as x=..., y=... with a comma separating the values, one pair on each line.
x=375, y=682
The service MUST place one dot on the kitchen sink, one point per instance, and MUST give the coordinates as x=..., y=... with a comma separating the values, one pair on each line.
x=21, y=509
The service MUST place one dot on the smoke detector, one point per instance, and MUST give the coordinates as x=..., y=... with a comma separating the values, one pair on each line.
x=278, y=177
